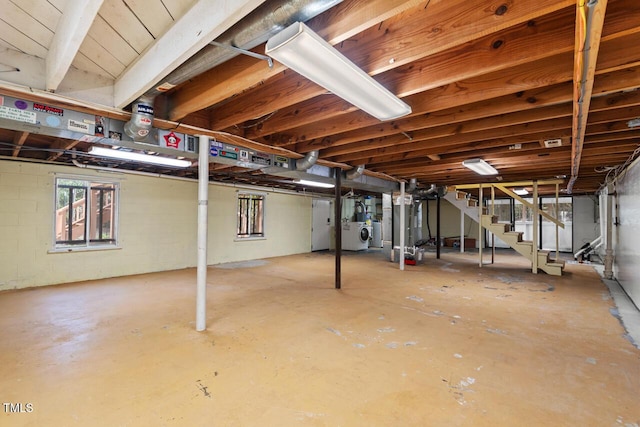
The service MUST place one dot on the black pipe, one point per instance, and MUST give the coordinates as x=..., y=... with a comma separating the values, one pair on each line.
x=338, y=223
x=438, y=228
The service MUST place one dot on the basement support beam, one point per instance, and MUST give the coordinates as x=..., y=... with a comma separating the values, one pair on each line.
x=203, y=205
x=589, y=22
x=438, y=235
x=402, y=226
x=535, y=245
x=480, y=239
x=337, y=220
x=71, y=31
x=204, y=22
x=608, y=258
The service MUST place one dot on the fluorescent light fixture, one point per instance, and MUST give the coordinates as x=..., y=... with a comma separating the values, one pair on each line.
x=304, y=51
x=520, y=191
x=138, y=157
x=315, y=183
x=479, y=166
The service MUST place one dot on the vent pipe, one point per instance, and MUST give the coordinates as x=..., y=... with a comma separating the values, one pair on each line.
x=141, y=122
x=413, y=183
x=355, y=172
x=308, y=160
x=430, y=192
x=256, y=28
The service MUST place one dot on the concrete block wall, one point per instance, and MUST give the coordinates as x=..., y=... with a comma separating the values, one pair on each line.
x=157, y=227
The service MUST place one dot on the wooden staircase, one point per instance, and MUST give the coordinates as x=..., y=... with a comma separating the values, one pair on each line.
x=465, y=202
x=523, y=247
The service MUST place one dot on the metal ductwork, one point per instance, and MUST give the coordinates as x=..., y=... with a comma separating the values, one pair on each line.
x=256, y=28
x=413, y=184
x=429, y=193
x=355, y=172
x=308, y=160
x=141, y=122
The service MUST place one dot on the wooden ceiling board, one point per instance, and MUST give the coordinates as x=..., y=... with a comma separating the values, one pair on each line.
x=126, y=24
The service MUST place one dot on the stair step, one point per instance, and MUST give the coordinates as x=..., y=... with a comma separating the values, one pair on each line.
x=514, y=234
x=499, y=228
x=556, y=261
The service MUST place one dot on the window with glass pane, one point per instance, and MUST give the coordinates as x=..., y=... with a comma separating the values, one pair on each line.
x=250, y=215
x=85, y=213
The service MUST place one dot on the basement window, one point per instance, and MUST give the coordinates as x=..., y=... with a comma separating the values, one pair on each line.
x=85, y=214
x=250, y=216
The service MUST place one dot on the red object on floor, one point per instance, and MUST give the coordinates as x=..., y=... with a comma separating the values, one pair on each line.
x=409, y=261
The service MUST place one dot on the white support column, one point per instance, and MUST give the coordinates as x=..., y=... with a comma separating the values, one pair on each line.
x=608, y=258
x=461, y=230
x=534, y=245
x=402, y=226
x=203, y=204
x=480, y=242
x=557, y=228
x=493, y=236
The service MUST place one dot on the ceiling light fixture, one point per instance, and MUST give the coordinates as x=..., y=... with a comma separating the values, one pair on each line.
x=479, y=166
x=301, y=49
x=315, y=184
x=521, y=191
x=138, y=157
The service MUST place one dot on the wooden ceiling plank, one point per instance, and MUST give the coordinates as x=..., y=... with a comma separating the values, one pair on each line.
x=502, y=121
x=19, y=140
x=456, y=68
x=242, y=73
x=71, y=31
x=460, y=95
x=439, y=66
x=514, y=46
x=202, y=23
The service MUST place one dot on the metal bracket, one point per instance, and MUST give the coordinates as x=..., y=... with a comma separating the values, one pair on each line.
x=244, y=51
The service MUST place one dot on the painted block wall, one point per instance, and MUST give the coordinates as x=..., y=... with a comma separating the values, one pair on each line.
x=626, y=235
x=157, y=227
x=586, y=223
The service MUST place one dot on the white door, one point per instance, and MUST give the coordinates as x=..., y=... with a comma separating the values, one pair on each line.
x=321, y=224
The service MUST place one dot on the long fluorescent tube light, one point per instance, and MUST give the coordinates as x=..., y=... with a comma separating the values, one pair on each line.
x=304, y=51
x=315, y=183
x=138, y=157
x=479, y=166
x=521, y=191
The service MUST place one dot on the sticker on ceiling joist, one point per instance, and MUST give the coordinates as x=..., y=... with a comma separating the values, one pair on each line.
x=229, y=155
x=1, y=100
x=77, y=126
x=53, y=121
x=172, y=140
x=99, y=121
x=17, y=115
x=48, y=109
x=213, y=151
x=20, y=104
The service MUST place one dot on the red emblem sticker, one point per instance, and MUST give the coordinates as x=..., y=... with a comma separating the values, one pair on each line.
x=173, y=141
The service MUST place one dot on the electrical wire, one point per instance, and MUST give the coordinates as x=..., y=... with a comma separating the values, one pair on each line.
x=615, y=172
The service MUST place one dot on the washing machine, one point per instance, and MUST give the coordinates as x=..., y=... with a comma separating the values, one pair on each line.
x=355, y=236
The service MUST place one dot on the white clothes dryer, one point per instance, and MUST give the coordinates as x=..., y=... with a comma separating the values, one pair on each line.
x=355, y=236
